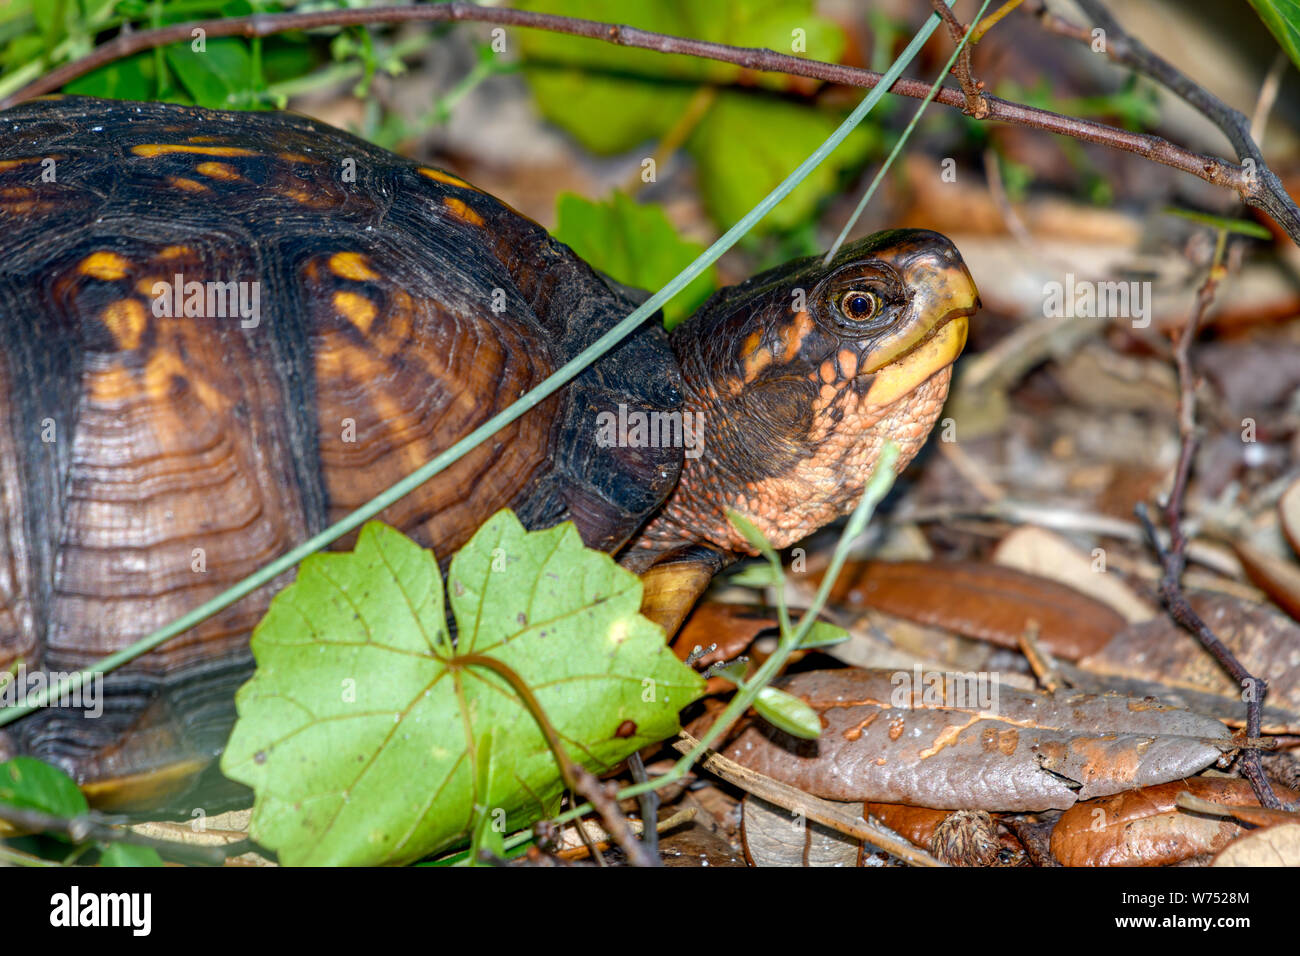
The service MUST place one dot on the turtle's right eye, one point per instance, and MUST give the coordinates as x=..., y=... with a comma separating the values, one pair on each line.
x=859, y=305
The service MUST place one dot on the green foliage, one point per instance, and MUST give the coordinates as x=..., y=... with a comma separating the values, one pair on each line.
x=125, y=854
x=1242, y=227
x=1282, y=17
x=788, y=713
x=362, y=731
x=748, y=143
x=31, y=784
x=636, y=245
x=223, y=73
x=612, y=99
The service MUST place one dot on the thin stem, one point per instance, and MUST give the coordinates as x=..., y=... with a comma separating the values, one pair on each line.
x=1258, y=188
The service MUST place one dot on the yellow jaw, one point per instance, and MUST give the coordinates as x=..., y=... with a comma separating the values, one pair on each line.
x=896, y=379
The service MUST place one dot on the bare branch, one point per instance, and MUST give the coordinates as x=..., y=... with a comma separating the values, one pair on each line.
x=1262, y=191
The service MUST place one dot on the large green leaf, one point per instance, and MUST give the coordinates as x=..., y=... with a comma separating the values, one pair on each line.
x=214, y=75
x=612, y=99
x=749, y=143
x=1282, y=17
x=31, y=784
x=360, y=728
x=126, y=854
x=635, y=244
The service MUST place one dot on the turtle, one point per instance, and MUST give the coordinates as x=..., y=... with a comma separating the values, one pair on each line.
x=221, y=331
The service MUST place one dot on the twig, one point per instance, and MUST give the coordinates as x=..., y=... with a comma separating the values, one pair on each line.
x=1263, y=188
x=997, y=189
x=973, y=92
x=992, y=19
x=1173, y=559
x=604, y=798
x=826, y=812
x=1259, y=188
x=663, y=826
x=1040, y=659
x=649, y=804
x=588, y=844
x=1255, y=816
x=91, y=827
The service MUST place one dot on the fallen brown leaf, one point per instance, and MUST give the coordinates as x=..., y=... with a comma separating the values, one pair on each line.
x=1279, y=579
x=1171, y=663
x=1276, y=846
x=1288, y=510
x=1146, y=827
x=884, y=741
x=985, y=601
x=776, y=837
x=1045, y=553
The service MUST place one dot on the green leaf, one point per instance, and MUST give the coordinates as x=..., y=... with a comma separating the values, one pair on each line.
x=606, y=114
x=734, y=672
x=1282, y=17
x=486, y=835
x=613, y=99
x=823, y=633
x=748, y=143
x=216, y=74
x=357, y=730
x=757, y=540
x=758, y=576
x=125, y=854
x=1244, y=227
x=636, y=245
x=31, y=784
x=129, y=79
x=788, y=713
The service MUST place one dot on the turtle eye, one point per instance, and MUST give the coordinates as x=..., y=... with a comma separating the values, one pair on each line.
x=859, y=305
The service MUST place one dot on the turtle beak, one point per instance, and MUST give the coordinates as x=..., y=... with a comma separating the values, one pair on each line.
x=943, y=299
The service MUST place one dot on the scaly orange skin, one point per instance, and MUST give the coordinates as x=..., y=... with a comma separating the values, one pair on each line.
x=797, y=403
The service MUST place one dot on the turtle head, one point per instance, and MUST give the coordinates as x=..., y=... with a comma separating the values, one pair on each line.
x=880, y=319
x=801, y=373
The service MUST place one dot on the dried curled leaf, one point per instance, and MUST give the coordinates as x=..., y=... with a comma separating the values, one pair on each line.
x=1147, y=828
x=776, y=837
x=1276, y=846
x=1045, y=553
x=1277, y=578
x=888, y=738
x=1288, y=510
x=1159, y=657
x=947, y=834
x=984, y=601
x=916, y=823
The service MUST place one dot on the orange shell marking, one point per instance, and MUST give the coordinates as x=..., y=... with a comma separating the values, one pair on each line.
x=161, y=149
x=108, y=266
x=357, y=309
x=437, y=175
x=461, y=211
x=189, y=185
x=126, y=319
x=217, y=171
x=352, y=265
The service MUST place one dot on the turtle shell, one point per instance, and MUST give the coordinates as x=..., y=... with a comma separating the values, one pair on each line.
x=219, y=332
